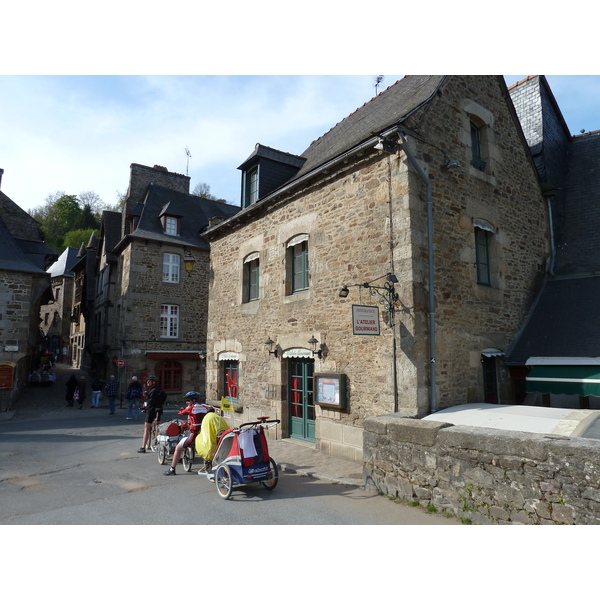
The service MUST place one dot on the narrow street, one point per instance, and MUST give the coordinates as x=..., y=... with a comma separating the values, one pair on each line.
x=66, y=466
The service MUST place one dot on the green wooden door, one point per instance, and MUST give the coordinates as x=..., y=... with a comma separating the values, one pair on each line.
x=301, y=405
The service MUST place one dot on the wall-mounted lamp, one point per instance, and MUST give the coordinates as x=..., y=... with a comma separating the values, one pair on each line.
x=386, y=146
x=452, y=164
x=313, y=347
x=188, y=261
x=269, y=344
x=386, y=293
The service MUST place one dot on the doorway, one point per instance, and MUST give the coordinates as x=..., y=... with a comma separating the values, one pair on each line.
x=300, y=399
x=490, y=383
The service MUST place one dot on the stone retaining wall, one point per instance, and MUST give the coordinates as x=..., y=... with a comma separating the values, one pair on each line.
x=484, y=475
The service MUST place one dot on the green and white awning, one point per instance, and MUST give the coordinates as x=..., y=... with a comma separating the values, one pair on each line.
x=573, y=379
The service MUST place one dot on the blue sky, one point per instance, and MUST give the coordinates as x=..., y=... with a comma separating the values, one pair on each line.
x=81, y=133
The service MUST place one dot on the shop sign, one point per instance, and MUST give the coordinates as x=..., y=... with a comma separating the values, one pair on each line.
x=365, y=320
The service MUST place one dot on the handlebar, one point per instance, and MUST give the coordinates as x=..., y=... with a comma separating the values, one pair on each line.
x=261, y=421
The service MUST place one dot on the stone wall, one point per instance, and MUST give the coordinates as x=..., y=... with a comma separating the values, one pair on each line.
x=484, y=475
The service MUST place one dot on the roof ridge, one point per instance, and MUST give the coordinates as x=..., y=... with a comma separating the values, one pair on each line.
x=356, y=110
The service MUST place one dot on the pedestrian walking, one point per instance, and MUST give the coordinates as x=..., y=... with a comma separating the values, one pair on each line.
x=111, y=390
x=155, y=399
x=97, y=385
x=134, y=393
x=79, y=393
x=71, y=385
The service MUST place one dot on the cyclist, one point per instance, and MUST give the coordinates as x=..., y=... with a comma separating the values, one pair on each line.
x=155, y=398
x=195, y=413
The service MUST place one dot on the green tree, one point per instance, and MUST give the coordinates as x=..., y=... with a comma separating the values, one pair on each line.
x=62, y=216
x=74, y=239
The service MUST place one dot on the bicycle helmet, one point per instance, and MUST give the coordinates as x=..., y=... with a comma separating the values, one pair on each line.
x=192, y=396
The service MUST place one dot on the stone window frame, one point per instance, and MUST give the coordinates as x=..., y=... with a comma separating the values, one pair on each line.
x=482, y=166
x=250, y=289
x=300, y=240
x=169, y=321
x=224, y=366
x=171, y=273
x=484, y=239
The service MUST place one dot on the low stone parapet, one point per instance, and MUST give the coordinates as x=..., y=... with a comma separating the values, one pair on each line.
x=483, y=475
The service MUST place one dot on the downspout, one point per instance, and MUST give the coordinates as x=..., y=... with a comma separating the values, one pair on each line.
x=432, y=374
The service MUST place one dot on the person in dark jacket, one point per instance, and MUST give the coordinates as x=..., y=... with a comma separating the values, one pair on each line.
x=134, y=393
x=111, y=390
x=155, y=398
x=71, y=385
x=79, y=393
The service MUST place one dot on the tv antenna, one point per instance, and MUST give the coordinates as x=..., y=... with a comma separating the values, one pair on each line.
x=188, y=154
x=378, y=80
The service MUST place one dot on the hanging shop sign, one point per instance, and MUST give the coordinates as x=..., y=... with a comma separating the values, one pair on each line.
x=365, y=320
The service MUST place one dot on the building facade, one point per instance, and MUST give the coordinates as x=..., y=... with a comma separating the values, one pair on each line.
x=55, y=316
x=24, y=286
x=388, y=274
x=152, y=283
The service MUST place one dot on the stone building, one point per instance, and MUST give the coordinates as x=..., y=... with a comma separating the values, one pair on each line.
x=386, y=269
x=84, y=285
x=152, y=283
x=24, y=286
x=55, y=316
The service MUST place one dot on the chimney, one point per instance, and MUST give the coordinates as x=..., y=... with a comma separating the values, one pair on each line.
x=1, y=173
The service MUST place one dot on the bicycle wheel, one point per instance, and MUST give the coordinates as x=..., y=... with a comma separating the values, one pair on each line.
x=224, y=482
x=272, y=481
x=187, y=458
x=162, y=454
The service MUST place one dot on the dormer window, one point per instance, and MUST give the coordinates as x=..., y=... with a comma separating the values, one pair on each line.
x=253, y=176
x=171, y=225
x=264, y=171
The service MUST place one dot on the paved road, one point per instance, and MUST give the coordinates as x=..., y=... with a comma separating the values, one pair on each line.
x=63, y=465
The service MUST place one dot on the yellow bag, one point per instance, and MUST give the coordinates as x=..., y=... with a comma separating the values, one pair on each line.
x=206, y=440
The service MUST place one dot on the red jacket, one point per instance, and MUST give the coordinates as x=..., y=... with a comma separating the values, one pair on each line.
x=195, y=413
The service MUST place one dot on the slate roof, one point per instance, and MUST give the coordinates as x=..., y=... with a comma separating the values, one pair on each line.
x=386, y=109
x=12, y=256
x=196, y=213
x=579, y=252
x=111, y=230
x=64, y=265
x=565, y=321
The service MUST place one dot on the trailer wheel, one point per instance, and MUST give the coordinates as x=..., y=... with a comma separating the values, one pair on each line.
x=224, y=481
x=162, y=455
x=272, y=481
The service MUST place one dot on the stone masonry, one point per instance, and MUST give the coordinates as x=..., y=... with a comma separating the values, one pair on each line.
x=484, y=475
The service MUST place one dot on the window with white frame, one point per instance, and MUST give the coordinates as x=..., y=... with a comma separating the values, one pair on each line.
x=169, y=320
x=171, y=264
x=171, y=226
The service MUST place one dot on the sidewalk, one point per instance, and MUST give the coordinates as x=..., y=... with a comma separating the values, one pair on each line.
x=291, y=456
